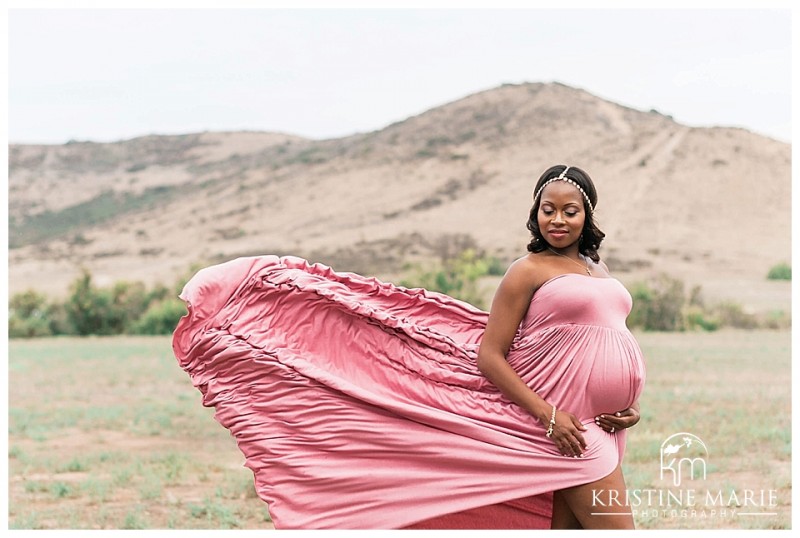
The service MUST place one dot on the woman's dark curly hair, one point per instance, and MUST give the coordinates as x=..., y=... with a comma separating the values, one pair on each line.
x=591, y=237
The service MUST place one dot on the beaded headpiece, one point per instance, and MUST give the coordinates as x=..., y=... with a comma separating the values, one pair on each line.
x=563, y=177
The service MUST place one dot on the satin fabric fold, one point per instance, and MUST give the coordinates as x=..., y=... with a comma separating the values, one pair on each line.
x=358, y=404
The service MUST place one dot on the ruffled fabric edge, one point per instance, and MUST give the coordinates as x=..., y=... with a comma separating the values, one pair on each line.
x=210, y=294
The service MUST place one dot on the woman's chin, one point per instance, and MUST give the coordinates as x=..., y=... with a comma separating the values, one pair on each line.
x=560, y=243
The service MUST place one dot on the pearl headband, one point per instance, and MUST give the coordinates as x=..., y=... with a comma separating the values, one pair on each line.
x=563, y=177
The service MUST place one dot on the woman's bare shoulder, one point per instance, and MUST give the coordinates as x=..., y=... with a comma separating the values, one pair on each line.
x=527, y=272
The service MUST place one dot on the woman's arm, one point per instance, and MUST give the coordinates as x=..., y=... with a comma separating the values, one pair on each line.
x=509, y=306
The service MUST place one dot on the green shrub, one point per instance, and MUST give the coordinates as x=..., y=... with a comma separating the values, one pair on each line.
x=88, y=308
x=661, y=305
x=697, y=318
x=28, y=328
x=129, y=300
x=782, y=271
x=124, y=308
x=59, y=320
x=658, y=305
x=642, y=296
x=458, y=276
x=28, y=304
x=160, y=318
x=28, y=315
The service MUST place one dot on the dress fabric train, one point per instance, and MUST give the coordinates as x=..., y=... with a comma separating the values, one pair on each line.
x=358, y=404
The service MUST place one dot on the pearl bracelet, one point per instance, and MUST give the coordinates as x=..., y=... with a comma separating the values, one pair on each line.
x=552, y=424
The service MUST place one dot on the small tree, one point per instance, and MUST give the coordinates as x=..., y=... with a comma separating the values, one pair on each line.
x=89, y=309
x=129, y=300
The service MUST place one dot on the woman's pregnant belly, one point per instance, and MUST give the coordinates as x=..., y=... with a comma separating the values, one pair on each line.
x=616, y=376
x=582, y=369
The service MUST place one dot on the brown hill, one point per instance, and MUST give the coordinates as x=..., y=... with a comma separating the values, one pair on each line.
x=711, y=205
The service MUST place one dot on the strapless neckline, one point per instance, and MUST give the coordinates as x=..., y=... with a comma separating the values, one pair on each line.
x=588, y=277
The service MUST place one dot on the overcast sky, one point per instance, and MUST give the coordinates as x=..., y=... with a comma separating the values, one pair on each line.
x=106, y=75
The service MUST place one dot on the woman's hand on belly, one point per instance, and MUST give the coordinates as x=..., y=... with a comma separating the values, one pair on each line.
x=612, y=422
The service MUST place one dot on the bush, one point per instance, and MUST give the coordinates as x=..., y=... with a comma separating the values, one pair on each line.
x=458, y=276
x=782, y=271
x=129, y=300
x=30, y=316
x=27, y=316
x=88, y=308
x=160, y=318
x=28, y=328
x=659, y=305
x=124, y=308
x=59, y=320
x=733, y=315
x=697, y=318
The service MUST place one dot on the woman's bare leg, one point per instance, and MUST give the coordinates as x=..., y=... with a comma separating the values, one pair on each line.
x=605, y=497
x=563, y=518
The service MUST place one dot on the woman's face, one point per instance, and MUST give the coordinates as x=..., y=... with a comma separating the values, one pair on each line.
x=561, y=215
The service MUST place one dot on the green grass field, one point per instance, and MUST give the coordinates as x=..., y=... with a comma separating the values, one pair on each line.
x=108, y=433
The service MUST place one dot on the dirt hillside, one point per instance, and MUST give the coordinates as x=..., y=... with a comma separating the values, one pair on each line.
x=708, y=204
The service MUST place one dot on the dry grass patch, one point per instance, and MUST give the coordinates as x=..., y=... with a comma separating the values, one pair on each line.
x=108, y=433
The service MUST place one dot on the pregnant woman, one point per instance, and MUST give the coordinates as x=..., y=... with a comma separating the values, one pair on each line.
x=556, y=344
x=360, y=404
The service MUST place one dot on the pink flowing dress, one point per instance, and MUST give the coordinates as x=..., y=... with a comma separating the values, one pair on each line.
x=359, y=404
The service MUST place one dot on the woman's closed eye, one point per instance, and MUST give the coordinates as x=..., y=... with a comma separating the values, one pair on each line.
x=570, y=214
